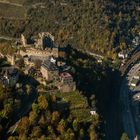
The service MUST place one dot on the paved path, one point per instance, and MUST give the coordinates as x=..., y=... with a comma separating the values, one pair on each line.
x=91, y=53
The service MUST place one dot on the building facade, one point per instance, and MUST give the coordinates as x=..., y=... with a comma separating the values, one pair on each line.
x=66, y=82
x=49, y=71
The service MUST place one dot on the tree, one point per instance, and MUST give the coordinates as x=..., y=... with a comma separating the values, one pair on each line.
x=53, y=98
x=23, y=137
x=55, y=117
x=8, y=109
x=71, y=134
x=124, y=137
x=81, y=134
x=11, y=138
x=50, y=130
x=122, y=45
x=42, y=121
x=4, y=93
x=28, y=89
x=32, y=117
x=92, y=133
x=35, y=108
x=23, y=126
x=36, y=132
x=42, y=102
x=43, y=137
x=75, y=125
x=61, y=126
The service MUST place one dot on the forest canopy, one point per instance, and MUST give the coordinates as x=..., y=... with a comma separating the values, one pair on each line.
x=95, y=25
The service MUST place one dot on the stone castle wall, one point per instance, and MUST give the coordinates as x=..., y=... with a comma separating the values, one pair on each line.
x=36, y=52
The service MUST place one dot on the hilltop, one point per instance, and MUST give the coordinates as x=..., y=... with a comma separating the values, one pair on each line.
x=97, y=26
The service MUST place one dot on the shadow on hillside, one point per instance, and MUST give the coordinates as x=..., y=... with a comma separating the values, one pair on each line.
x=93, y=78
x=27, y=94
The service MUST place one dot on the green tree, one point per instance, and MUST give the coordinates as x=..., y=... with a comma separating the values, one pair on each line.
x=23, y=126
x=61, y=126
x=5, y=93
x=8, y=109
x=124, y=137
x=22, y=137
x=33, y=117
x=28, y=89
x=55, y=117
x=50, y=130
x=36, y=132
x=42, y=121
x=42, y=102
x=81, y=134
x=43, y=137
x=11, y=138
x=71, y=134
x=92, y=133
x=35, y=108
x=75, y=125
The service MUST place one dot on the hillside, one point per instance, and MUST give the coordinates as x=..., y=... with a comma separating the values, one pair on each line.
x=91, y=25
x=12, y=11
x=13, y=1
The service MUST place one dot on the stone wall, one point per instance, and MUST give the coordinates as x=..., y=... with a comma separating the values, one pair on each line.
x=37, y=52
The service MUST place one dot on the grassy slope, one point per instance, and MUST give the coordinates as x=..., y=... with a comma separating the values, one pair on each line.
x=12, y=11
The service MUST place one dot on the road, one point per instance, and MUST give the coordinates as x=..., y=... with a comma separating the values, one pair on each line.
x=92, y=54
x=133, y=59
x=135, y=104
x=127, y=118
x=112, y=123
x=130, y=120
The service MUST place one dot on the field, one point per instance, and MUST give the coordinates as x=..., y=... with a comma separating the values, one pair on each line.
x=12, y=11
x=13, y=1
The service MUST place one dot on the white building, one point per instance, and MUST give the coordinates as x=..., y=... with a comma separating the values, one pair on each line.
x=122, y=55
x=137, y=77
x=49, y=71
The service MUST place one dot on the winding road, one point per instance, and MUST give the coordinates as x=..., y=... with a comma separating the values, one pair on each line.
x=128, y=72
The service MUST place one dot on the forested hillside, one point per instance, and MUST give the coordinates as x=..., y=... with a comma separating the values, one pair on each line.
x=96, y=25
